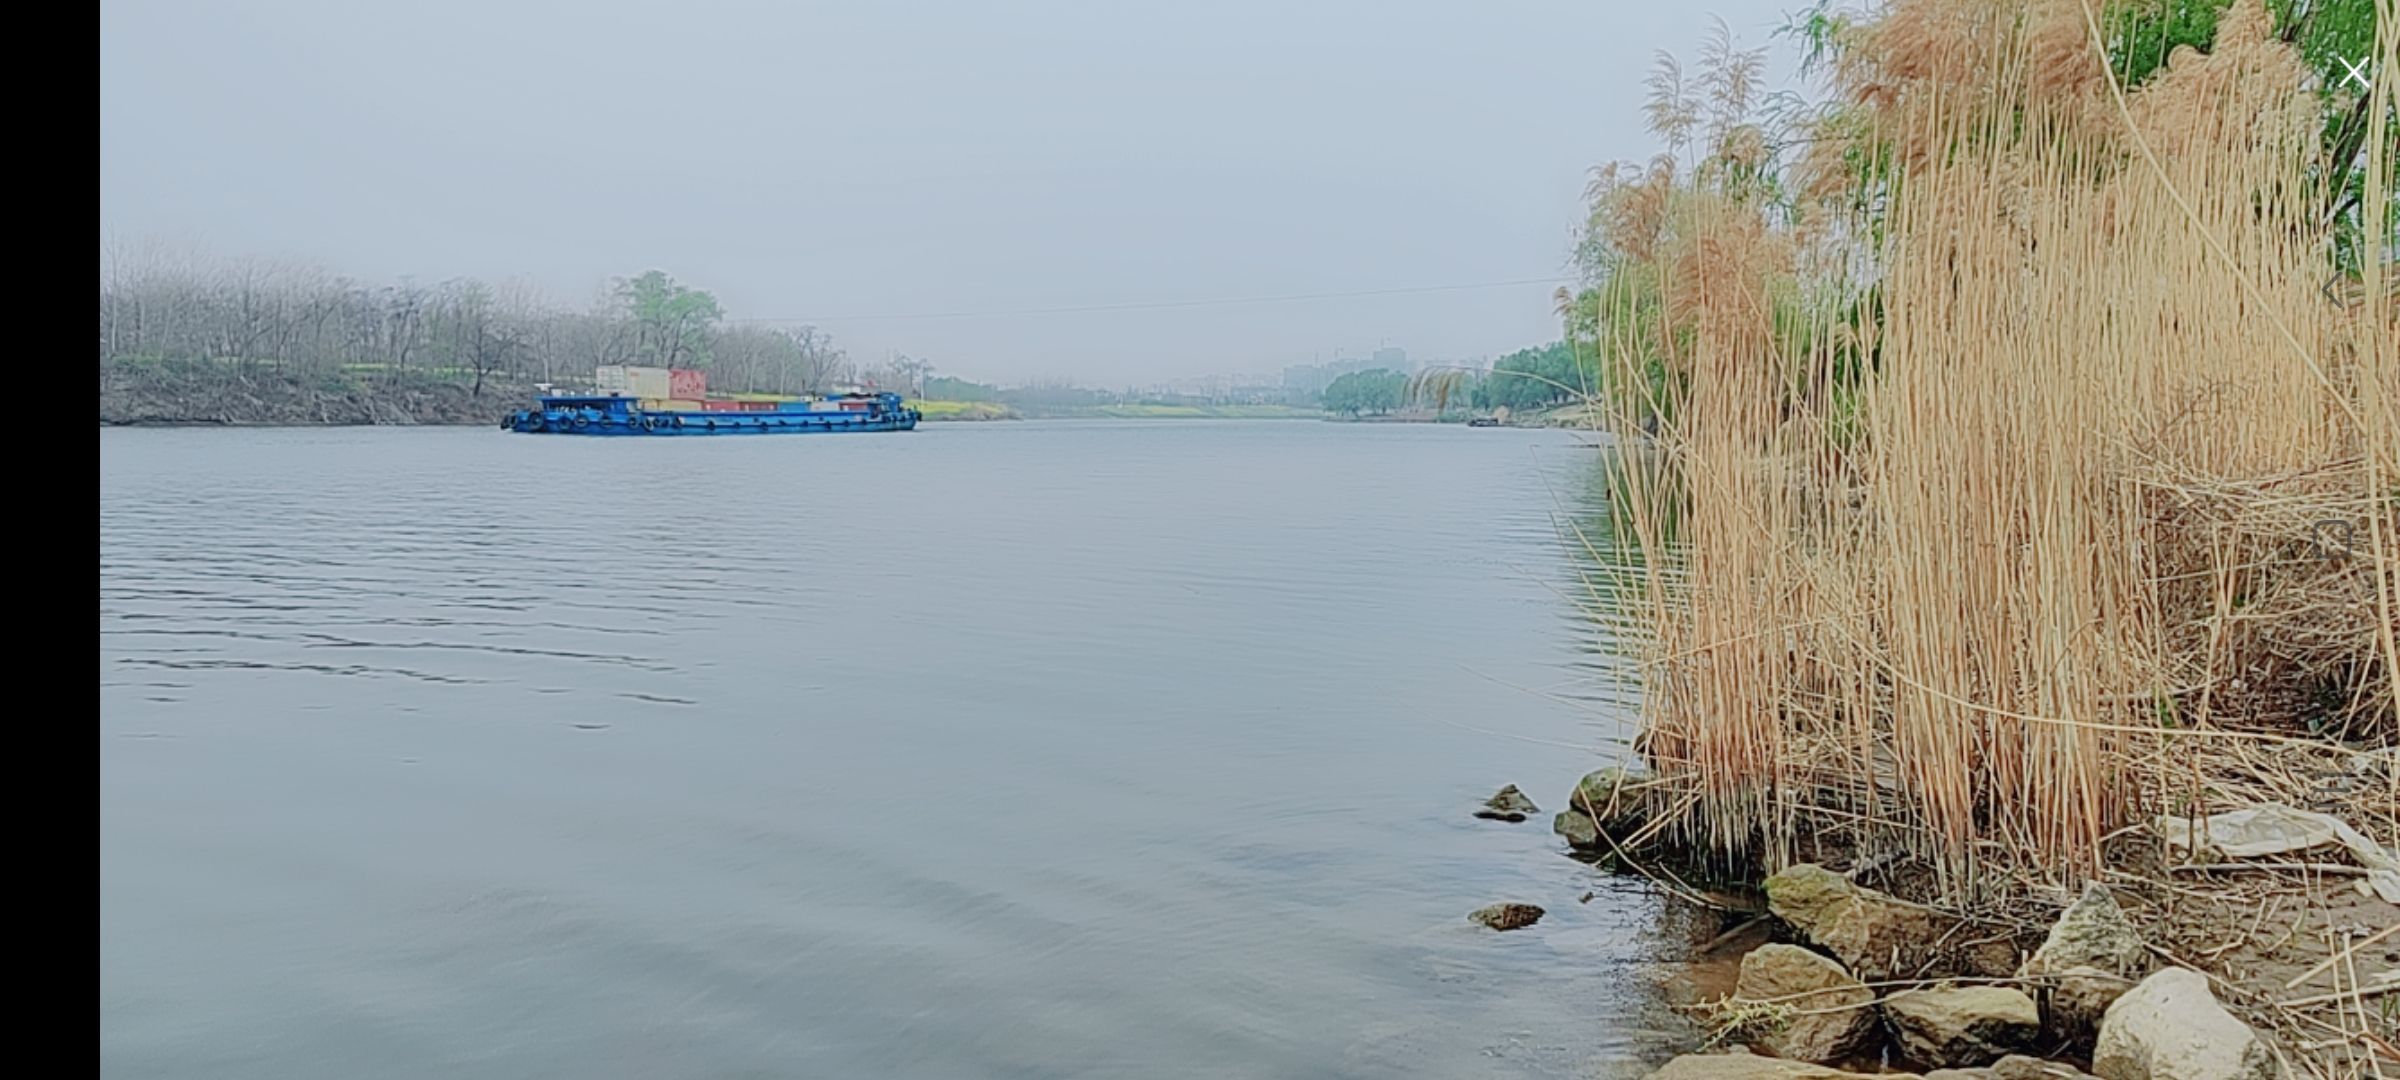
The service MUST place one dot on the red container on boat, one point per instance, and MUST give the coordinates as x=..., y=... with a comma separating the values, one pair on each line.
x=684, y=384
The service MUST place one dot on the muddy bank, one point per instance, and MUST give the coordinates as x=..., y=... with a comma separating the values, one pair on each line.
x=165, y=394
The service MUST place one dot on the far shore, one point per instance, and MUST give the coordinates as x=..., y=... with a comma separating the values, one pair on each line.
x=366, y=417
x=142, y=395
x=149, y=395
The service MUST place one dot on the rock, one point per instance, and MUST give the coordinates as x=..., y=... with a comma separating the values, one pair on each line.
x=2020, y=1067
x=2074, y=1000
x=1610, y=797
x=1506, y=916
x=1806, y=895
x=2170, y=1027
x=1508, y=804
x=1581, y=832
x=1877, y=936
x=1607, y=805
x=1836, y=1017
x=2092, y=956
x=1994, y=959
x=1962, y=1025
x=2093, y=931
x=1748, y=1067
x=2013, y=1067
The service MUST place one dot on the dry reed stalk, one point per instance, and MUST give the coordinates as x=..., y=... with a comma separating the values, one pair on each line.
x=1991, y=597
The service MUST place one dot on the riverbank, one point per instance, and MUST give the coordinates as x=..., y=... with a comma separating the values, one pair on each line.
x=1177, y=412
x=1578, y=417
x=134, y=393
x=2260, y=938
x=990, y=410
x=1959, y=623
x=965, y=411
x=163, y=394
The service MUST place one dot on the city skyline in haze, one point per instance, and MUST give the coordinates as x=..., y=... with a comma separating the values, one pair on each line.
x=1109, y=194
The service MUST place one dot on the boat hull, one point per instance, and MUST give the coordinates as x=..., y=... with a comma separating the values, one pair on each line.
x=682, y=425
x=610, y=414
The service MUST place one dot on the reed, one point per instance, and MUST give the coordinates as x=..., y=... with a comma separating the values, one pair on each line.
x=1990, y=500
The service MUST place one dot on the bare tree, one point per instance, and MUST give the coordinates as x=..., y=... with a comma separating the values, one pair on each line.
x=162, y=309
x=910, y=373
x=479, y=338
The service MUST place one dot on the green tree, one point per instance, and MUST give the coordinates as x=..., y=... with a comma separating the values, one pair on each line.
x=1533, y=378
x=1379, y=391
x=2331, y=36
x=673, y=324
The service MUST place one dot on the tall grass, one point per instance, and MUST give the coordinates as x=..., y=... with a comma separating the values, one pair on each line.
x=2041, y=538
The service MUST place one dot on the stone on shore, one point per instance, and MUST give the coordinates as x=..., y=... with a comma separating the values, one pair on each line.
x=1611, y=797
x=1607, y=804
x=1833, y=1013
x=1875, y=935
x=1582, y=832
x=2013, y=1067
x=2092, y=956
x=1749, y=1067
x=2171, y=1027
x=1508, y=804
x=1506, y=916
x=2020, y=1067
x=1951, y=1026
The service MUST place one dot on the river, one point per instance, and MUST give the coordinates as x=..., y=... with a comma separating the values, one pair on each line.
x=1045, y=749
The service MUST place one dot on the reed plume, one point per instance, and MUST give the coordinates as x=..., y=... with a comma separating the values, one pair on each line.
x=2017, y=476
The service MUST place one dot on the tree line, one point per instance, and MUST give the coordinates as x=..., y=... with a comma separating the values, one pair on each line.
x=247, y=320
x=1526, y=379
x=1378, y=391
x=1537, y=377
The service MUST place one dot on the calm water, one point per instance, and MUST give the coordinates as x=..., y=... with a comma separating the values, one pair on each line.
x=1012, y=750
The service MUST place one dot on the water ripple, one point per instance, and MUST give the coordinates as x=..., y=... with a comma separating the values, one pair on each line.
x=1042, y=750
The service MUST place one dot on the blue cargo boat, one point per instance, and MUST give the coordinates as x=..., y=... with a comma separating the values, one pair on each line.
x=615, y=414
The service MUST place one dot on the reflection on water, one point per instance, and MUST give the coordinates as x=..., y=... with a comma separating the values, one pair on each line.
x=1042, y=750
x=1607, y=566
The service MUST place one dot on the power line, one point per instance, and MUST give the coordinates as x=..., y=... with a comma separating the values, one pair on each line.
x=1155, y=305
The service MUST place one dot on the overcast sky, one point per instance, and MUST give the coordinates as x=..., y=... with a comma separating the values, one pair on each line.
x=864, y=164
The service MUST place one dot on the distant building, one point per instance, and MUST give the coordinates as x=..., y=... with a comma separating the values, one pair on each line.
x=1306, y=379
x=1391, y=357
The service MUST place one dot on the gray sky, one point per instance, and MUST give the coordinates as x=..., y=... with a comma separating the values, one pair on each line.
x=832, y=161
